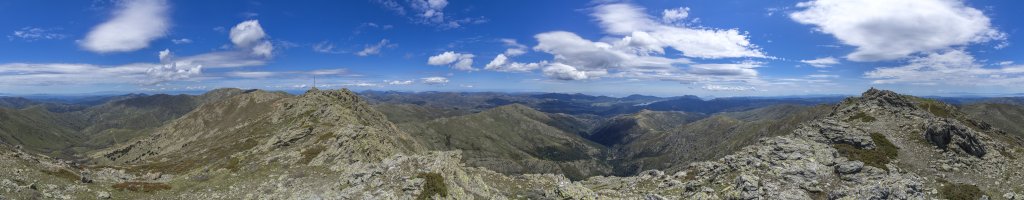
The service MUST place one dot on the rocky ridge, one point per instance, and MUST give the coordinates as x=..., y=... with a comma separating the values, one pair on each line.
x=881, y=145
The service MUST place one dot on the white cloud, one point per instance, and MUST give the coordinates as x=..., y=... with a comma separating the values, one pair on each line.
x=727, y=88
x=134, y=24
x=434, y=80
x=251, y=74
x=251, y=49
x=222, y=59
x=375, y=48
x=249, y=36
x=165, y=56
x=34, y=74
x=361, y=84
x=573, y=51
x=953, y=67
x=821, y=62
x=636, y=49
x=35, y=33
x=745, y=69
x=674, y=15
x=398, y=82
x=181, y=41
x=429, y=12
x=888, y=30
x=646, y=35
x=515, y=49
x=247, y=33
x=459, y=61
x=501, y=63
x=329, y=71
x=325, y=47
x=565, y=72
x=172, y=72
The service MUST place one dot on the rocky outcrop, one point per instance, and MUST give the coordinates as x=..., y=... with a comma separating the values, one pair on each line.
x=950, y=135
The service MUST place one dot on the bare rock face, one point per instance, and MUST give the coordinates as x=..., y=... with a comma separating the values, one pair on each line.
x=951, y=135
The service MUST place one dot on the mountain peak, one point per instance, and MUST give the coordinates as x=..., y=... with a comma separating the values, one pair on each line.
x=885, y=98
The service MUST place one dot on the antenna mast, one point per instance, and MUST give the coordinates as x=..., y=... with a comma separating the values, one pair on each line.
x=314, y=81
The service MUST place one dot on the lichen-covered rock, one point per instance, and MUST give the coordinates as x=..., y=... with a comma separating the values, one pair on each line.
x=949, y=134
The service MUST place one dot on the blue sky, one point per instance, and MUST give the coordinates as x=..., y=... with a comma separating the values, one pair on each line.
x=665, y=48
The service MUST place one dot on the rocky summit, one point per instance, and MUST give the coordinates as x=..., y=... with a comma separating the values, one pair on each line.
x=332, y=144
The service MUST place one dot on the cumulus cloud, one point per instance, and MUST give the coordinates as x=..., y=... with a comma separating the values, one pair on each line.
x=501, y=63
x=375, y=48
x=889, y=30
x=459, y=61
x=637, y=45
x=252, y=48
x=249, y=35
x=821, y=62
x=571, y=50
x=565, y=72
x=35, y=33
x=434, y=80
x=172, y=71
x=674, y=15
x=135, y=23
x=644, y=34
x=953, y=67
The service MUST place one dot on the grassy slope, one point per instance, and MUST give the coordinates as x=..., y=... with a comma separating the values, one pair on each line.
x=511, y=139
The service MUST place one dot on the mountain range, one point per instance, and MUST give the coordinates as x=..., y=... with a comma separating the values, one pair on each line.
x=337, y=144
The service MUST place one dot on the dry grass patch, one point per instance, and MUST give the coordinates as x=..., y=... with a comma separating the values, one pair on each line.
x=141, y=186
x=883, y=152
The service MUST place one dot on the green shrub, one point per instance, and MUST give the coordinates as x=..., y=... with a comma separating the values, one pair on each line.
x=959, y=191
x=883, y=152
x=433, y=185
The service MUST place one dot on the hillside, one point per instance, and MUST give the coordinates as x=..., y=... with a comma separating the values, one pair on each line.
x=38, y=130
x=1003, y=116
x=514, y=139
x=330, y=144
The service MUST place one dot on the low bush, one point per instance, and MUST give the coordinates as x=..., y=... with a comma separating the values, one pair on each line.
x=433, y=184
